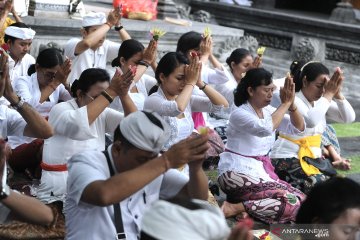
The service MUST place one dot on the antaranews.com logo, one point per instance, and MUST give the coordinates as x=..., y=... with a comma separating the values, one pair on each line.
x=308, y=231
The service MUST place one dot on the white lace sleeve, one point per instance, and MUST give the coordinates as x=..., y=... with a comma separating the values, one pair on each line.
x=341, y=111
x=203, y=104
x=162, y=106
x=242, y=118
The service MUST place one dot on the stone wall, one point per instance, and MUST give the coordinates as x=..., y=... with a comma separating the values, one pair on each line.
x=287, y=36
x=61, y=30
x=278, y=29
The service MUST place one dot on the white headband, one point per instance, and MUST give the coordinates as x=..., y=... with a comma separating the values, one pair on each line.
x=21, y=33
x=142, y=131
x=308, y=64
x=165, y=220
x=93, y=19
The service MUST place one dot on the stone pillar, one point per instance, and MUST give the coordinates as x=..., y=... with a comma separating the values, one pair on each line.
x=49, y=8
x=344, y=12
x=264, y=4
x=167, y=8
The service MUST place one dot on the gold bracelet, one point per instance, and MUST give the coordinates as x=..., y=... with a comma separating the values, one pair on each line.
x=105, y=94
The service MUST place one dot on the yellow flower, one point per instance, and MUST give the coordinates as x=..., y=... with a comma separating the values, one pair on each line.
x=260, y=51
x=157, y=33
x=203, y=130
x=207, y=32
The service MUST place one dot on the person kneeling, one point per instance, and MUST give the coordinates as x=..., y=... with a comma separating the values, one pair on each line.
x=132, y=174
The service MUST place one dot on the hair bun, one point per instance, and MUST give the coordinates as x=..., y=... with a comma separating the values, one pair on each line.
x=116, y=62
x=74, y=87
x=31, y=70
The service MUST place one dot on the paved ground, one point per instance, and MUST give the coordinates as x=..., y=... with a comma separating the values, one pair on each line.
x=350, y=146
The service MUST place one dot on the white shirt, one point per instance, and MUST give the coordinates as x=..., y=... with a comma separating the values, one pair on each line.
x=276, y=101
x=17, y=70
x=21, y=67
x=143, y=86
x=86, y=221
x=250, y=135
x=315, y=119
x=89, y=58
x=157, y=102
x=73, y=134
x=28, y=88
x=213, y=76
x=227, y=90
x=11, y=122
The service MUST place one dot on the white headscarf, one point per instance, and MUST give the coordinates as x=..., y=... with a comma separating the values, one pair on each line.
x=21, y=33
x=141, y=130
x=93, y=19
x=165, y=220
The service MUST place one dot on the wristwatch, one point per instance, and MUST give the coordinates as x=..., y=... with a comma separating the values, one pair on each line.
x=5, y=192
x=118, y=28
x=203, y=87
x=18, y=105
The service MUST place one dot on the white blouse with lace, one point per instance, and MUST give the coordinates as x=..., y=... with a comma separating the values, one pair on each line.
x=28, y=88
x=315, y=119
x=143, y=86
x=250, y=135
x=157, y=102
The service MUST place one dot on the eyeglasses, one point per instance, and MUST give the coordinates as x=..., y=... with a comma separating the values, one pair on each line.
x=48, y=75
